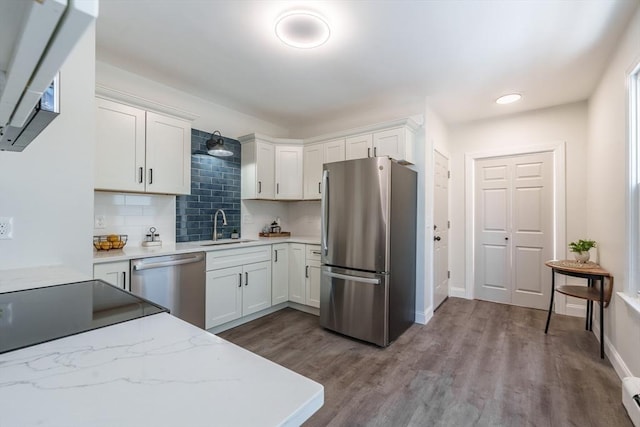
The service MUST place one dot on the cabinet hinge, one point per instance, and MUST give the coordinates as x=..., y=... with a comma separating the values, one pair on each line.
x=448, y=174
x=448, y=275
x=448, y=224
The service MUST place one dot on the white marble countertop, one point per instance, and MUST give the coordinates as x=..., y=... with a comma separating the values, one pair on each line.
x=132, y=252
x=155, y=371
x=37, y=277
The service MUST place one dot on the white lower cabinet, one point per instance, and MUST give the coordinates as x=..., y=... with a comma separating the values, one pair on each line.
x=312, y=276
x=238, y=283
x=279, y=273
x=304, y=274
x=223, y=296
x=297, y=268
x=116, y=273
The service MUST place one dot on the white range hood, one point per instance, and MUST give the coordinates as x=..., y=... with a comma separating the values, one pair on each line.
x=32, y=53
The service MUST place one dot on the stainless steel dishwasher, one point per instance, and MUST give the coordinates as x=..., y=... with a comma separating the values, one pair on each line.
x=176, y=282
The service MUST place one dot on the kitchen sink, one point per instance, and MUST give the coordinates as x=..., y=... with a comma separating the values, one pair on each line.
x=227, y=242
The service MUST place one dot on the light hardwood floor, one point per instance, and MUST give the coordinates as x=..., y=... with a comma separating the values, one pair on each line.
x=475, y=364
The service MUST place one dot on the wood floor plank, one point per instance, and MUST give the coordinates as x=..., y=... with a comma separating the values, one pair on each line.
x=475, y=364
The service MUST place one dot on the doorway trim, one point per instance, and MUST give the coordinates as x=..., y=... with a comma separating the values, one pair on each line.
x=559, y=204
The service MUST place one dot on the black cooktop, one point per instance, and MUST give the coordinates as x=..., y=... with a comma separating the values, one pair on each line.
x=34, y=316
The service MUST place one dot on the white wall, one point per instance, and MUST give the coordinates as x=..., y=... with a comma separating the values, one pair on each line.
x=48, y=188
x=434, y=135
x=566, y=123
x=301, y=218
x=606, y=196
x=211, y=116
x=134, y=214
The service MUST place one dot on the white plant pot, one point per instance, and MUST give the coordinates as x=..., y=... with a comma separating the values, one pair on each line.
x=582, y=257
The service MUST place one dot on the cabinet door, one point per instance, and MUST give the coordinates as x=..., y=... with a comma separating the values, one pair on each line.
x=223, y=296
x=390, y=143
x=359, y=147
x=289, y=172
x=265, y=171
x=334, y=151
x=168, y=154
x=256, y=294
x=313, y=159
x=296, y=273
x=116, y=273
x=312, y=284
x=280, y=273
x=120, y=161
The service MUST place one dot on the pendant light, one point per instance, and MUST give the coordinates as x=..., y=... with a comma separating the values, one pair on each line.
x=215, y=145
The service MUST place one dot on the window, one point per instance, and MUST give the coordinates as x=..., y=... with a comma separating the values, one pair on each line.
x=634, y=182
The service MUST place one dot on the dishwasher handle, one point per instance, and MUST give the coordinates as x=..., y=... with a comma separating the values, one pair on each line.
x=141, y=265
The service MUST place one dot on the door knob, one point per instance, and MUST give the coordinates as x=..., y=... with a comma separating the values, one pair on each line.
x=506, y=238
x=437, y=238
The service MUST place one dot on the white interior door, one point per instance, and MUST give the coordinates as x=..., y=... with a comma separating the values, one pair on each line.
x=514, y=224
x=441, y=229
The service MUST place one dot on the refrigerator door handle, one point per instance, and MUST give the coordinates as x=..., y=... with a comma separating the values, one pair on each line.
x=325, y=211
x=353, y=278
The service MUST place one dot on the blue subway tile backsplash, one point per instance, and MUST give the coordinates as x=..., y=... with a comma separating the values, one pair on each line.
x=215, y=184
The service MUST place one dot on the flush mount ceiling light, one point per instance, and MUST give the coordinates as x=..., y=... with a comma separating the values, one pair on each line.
x=215, y=145
x=508, y=99
x=302, y=29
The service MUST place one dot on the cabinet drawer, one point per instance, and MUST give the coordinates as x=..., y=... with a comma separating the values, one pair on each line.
x=313, y=253
x=233, y=257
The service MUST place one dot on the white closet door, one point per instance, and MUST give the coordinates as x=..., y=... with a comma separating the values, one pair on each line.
x=514, y=229
x=493, y=212
x=441, y=229
x=532, y=229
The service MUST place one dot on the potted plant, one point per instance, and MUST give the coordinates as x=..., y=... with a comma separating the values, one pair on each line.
x=235, y=234
x=581, y=249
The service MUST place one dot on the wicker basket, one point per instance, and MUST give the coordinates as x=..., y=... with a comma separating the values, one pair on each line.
x=111, y=241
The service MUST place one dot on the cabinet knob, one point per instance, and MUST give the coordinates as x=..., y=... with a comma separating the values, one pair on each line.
x=239, y=280
x=246, y=278
x=437, y=238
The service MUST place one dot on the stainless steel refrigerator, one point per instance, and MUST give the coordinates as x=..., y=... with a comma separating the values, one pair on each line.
x=368, y=278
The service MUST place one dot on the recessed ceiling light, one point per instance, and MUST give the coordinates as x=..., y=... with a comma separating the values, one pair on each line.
x=508, y=99
x=302, y=29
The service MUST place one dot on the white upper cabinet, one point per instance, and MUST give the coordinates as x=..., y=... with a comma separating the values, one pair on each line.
x=120, y=148
x=313, y=160
x=258, y=170
x=315, y=155
x=395, y=143
x=358, y=147
x=141, y=151
x=334, y=151
x=271, y=168
x=168, y=155
x=289, y=172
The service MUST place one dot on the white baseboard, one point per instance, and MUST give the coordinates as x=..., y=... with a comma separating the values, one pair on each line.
x=423, y=317
x=304, y=308
x=457, y=292
x=614, y=357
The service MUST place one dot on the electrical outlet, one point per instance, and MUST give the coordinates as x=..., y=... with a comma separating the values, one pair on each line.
x=6, y=228
x=99, y=221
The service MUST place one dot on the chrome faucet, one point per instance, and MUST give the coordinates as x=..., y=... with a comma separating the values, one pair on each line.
x=215, y=223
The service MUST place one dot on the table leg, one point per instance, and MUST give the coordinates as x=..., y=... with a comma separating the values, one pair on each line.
x=553, y=291
x=602, y=317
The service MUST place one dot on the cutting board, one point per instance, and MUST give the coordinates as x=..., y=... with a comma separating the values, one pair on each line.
x=281, y=234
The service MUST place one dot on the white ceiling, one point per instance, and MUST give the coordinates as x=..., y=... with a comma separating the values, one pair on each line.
x=383, y=56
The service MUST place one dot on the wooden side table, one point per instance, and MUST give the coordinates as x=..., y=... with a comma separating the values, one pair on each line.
x=595, y=290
